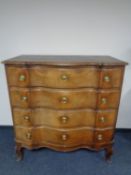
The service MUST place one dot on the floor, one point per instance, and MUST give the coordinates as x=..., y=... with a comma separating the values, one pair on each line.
x=81, y=162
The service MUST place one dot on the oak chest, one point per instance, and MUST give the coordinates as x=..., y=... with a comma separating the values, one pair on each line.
x=64, y=102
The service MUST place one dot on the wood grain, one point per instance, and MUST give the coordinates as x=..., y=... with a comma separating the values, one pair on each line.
x=76, y=77
x=65, y=60
x=54, y=118
x=52, y=136
x=52, y=98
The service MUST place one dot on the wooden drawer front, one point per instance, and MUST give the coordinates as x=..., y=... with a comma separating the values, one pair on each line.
x=54, y=118
x=59, y=99
x=64, y=119
x=64, y=77
x=64, y=99
x=106, y=118
x=66, y=138
x=108, y=99
x=104, y=136
x=111, y=77
x=17, y=76
x=53, y=77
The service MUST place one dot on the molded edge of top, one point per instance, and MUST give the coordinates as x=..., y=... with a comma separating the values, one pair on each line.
x=65, y=60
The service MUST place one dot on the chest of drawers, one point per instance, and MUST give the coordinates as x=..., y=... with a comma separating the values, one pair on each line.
x=64, y=102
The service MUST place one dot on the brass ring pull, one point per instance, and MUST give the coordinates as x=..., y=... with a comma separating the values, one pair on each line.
x=64, y=100
x=64, y=77
x=103, y=100
x=64, y=119
x=102, y=119
x=106, y=78
x=27, y=118
x=29, y=136
x=100, y=137
x=64, y=137
x=24, y=98
x=22, y=77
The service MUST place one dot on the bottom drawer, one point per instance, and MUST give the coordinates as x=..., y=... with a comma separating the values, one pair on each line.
x=65, y=138
x=43, y=135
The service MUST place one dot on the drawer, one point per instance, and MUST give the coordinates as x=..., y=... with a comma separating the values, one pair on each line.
x=53, y=98
x=64, y=119
x=64, y=77
x=54, y=118
x=64, y=99
x=111, y=77
x=67, y=138
x=53, y=77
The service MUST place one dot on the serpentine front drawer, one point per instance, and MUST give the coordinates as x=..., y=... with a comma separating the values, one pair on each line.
x=64, y=118
x=87, y=76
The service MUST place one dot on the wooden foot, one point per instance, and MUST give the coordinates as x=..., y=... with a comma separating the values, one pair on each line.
x=108, y=153
x=19, y=152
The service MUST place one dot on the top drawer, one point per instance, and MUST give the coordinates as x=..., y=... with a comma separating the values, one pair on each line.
x=91, y=77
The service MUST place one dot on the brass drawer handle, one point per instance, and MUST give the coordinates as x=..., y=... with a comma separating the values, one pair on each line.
x=100, y=137
x=29, y=136
x=64, y=137
x=104, y=100
x=64, y=100
x=64, y=119
x=102, y=119
x=22, y=77
x=106, y=78
x=24, y=98
x=64, y=77
x=27, y=118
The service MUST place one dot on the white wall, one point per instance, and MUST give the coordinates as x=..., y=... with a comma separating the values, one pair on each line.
x=66, y=27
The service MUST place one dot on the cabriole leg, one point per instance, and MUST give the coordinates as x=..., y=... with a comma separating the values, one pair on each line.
x=19, y=152
x=108, y=153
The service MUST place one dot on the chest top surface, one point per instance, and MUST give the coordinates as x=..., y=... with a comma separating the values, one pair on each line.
x=64, y=60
